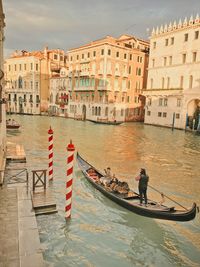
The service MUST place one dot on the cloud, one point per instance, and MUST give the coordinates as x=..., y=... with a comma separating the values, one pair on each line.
x=70, y=23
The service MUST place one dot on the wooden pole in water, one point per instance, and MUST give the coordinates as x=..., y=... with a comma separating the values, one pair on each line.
x=50, y=132
x=70, y=160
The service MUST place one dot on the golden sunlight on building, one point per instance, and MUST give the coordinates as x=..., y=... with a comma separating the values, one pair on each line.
x=173, y=88
x=106, y=78
x=27, y=79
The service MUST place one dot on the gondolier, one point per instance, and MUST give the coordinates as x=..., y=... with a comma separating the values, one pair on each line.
x=143, y=179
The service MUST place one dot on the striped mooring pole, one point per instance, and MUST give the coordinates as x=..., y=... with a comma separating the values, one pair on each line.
x=50, y=132
x=70, y=161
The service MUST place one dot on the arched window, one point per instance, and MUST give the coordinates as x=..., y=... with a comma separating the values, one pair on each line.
x=106, y=111
x=96, y=111
x=99, y=111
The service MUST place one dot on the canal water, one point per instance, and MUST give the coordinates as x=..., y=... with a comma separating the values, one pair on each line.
x=100, y=232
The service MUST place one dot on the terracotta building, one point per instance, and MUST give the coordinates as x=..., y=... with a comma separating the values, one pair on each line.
x=27, y=79
x=106, y=79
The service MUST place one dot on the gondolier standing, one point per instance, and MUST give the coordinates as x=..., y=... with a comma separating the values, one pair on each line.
x=143, y=179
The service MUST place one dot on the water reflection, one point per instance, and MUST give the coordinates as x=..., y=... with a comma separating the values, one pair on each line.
x=100, y=232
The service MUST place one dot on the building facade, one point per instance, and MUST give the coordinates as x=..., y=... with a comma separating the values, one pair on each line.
x=58, y=101
x=27, y=77
x=106, y=79
x=173, y=86
x=2, y=96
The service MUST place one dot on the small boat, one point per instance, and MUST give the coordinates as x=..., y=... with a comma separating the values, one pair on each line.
x=12, y=124
x=107, y=122
x=130, y=201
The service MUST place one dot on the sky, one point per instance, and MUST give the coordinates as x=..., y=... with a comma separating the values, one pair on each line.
x=65, y=24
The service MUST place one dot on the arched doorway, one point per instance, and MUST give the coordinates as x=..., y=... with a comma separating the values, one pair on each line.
x=193, y=112
x=84, y=110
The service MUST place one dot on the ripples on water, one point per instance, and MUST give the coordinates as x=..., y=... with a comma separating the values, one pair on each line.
x=100, y=232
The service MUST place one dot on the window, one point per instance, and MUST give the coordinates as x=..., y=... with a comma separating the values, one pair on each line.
x=15, y=67
x=190, y=81
x=130, y=56
x=165, y=61
x=196, y=35
x=139, y=71
x=149, y=102
x=109, y=52
x=36, y=67
x=168, y=82
x=177, y=116
x=138, y=59
x=166, y=42
x=129, y=69
x=159, y=114
x=170, y=60
x=77, y=57
x=102, y=52
x=154, y=45
x=172, y=40
x=24, y=66
x=160, y=101
x=94, y=53
x=20, y=66
x=183, y=58
x=31, y=66
x=9, y=68
x=129, y=84
x=88, y=55
x=178, y=102
x=165, y=102
x=186, y=37
x=82, y=56
x=153, y=62
x=148, y=113
x=164, y=114
x=125, y=56
x=117, y=54
x=194, y=56
x=181, y=82
x=20, y=82
x=163, y=83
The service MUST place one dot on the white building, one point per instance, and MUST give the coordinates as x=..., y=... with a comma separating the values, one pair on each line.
x=58, y=102
x=173, y=85
x=2, y=96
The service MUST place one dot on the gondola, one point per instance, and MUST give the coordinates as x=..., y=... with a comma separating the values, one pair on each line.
x=107, y=122
x=12, y=124
x=131, y=201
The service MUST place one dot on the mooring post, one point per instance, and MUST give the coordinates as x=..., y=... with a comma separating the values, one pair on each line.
x=70, y=161
x=50, y=132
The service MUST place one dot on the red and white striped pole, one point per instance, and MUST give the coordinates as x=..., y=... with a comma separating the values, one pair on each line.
x=70, y=161
x=50, y=132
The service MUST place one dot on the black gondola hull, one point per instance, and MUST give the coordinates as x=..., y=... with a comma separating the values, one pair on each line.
x=170, y=214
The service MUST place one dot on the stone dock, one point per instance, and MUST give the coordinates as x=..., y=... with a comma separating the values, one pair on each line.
x=19, y=236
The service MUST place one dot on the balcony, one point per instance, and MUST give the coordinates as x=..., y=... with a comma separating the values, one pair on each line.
x=84, y=88
x=102, y=88
x=125, y=74
x=117, y=73
x=109, y=72
x=100, y=72
x=84, y=73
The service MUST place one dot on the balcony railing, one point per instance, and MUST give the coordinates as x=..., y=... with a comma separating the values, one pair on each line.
x=102, y=88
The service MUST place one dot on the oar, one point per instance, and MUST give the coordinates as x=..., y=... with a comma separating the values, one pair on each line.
x=167, y=197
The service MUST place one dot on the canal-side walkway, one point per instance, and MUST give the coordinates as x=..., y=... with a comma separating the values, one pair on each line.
x=19, y=237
